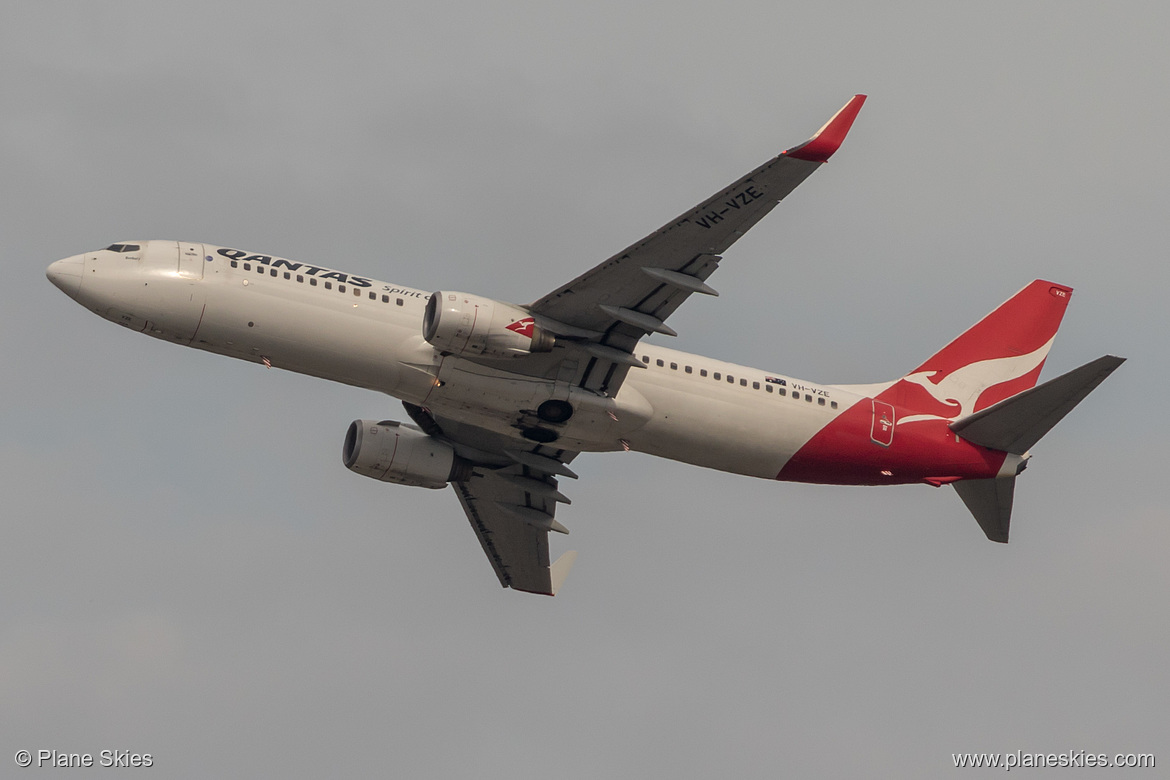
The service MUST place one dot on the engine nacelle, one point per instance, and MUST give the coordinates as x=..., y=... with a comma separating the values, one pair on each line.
x=392, y=452
x=470, y=325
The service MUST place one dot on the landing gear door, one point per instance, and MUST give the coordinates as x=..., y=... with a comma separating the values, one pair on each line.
x=190, y=260
x=882, y=431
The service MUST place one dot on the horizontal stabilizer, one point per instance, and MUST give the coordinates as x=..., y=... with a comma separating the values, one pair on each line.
x=990, y=500
x=1017, y=423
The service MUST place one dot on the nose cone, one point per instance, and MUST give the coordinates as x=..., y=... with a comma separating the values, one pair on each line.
x=66, y=274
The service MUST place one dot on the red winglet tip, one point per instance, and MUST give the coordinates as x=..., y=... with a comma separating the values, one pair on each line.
x=828, y=139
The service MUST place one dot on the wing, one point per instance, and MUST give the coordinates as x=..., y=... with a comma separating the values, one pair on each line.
x=609, y=308
x=511, y=495
x=510, y=498
x=512, y=521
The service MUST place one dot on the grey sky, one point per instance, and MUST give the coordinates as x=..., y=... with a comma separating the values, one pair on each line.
x=188, y=570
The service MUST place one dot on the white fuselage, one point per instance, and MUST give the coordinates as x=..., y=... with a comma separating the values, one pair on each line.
x=368, y=333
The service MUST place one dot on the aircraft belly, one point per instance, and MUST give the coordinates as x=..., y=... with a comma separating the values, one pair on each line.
x=507, y=403
x=464, y=387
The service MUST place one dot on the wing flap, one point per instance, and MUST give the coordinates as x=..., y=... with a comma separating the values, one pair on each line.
x=512, y=513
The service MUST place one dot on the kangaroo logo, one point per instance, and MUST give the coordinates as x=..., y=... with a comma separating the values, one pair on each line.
x=960, y=390
x=524, y=327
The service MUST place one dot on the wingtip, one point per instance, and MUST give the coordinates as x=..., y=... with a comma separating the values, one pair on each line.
x=828, y=139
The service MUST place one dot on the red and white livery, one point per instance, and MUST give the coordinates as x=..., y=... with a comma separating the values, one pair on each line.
x=502, y=396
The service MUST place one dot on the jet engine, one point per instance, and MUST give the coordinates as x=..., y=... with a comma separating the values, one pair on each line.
x=392, y=452
x=470, y=325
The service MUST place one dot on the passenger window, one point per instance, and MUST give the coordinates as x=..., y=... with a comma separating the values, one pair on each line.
x=247, y=266
x=743, y=383
x=287, y=275
x=768, y=388
x=373, y=296
x=341, y=288
x=808, y=398
x=385, y=298
x=328, y=285
x=235, y=264
x=272, y=271
x=833, y=404
x=660, y=363
x=400, y=301
x=820, y=402
x=259, y=269
x=717, y=376
x=702, y=372
x=687, y=369
x=730, y=379
x=312, y=281
x=755, y=385
x=646, y=359
x=300, y=278
x=674, y=366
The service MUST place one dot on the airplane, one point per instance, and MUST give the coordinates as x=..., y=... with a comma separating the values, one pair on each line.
x=503, y=397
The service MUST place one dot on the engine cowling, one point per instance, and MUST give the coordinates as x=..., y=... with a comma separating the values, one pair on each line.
x=470, y=325
x=392, y=452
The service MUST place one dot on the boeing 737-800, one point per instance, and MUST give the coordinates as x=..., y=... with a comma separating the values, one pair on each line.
x=504, y=396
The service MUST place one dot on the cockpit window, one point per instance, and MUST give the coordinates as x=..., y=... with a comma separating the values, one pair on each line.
x=123, y=248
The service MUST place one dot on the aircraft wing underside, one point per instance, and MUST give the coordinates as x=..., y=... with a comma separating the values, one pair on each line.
x=510, y=500
x=632, y=293
x=512, y=525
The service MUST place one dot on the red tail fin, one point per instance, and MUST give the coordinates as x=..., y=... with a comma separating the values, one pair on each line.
x=999, y=356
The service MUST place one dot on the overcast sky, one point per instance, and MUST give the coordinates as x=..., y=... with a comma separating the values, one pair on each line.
x=188, y=570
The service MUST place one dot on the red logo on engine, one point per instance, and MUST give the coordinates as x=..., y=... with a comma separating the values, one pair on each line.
x=523, y=327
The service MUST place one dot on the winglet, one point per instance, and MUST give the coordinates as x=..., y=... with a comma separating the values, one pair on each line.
x=560, y=570
x=828, y=139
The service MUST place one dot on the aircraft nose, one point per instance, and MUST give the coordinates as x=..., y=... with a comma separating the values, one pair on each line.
x=66, y=274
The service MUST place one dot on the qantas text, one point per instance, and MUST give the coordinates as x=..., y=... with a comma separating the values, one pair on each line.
x=308, y=270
